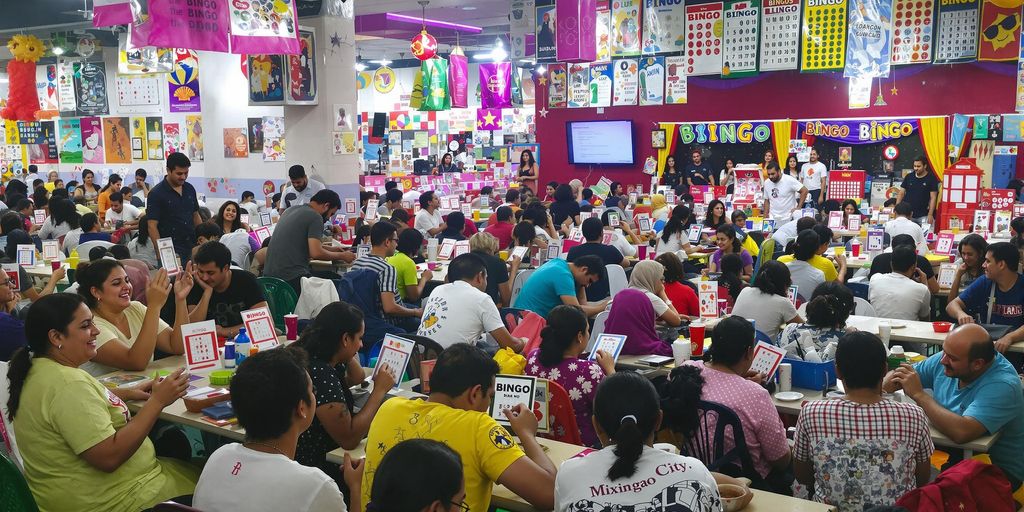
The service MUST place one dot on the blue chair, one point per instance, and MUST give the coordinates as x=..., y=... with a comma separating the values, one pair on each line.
x=359, y=288
x=707, y=443
x=858, y=289
x=760, y=336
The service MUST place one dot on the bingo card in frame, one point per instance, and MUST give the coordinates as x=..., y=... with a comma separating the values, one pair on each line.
x=845, y=184
x=741, y=38
x=823, y=38
x=958, y=32
x=780, y=34
x=912, y=38
x=704, y=28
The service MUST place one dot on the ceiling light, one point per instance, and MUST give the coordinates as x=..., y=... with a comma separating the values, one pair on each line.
x=383, y=61
x=469, y=8
x=57, y=50
x=541, y=69
x=360, y=66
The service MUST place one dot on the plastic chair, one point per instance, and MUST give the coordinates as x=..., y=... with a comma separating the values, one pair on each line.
x=707, y=443
x=14, y=491
x=617, y=280
x=8, y=444
x=518, y=282
x=598, y=328
x=170, y=506
x=83, y=249
x=562, y=416
x=280, y=297
x=760, y=336
x=530, y=329
x=767, y=252
x=858, y=289
x=511, y=317
x=863, y=307
x=426, y=349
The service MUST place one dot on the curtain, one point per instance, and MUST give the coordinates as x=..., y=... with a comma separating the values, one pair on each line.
x=933, y=140
x=670, y=145
x=782, y=132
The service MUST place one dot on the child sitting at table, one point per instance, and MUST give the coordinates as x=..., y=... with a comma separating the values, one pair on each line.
x=558, y=359
x=829, y=308
x=629, y=473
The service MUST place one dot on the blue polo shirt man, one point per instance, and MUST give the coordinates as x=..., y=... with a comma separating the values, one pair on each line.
x=172, y=208
x=979, y=386
x=558, y=282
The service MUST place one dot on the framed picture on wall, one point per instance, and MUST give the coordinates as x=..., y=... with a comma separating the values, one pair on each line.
x=266, y=80
x=658, y=139
x=301, y=71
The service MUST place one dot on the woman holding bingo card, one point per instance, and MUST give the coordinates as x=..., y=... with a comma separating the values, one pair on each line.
x=82, y=448
x=129, y=332
x=331, y=343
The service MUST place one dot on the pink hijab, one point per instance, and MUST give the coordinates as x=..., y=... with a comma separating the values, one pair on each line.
x=633, y=315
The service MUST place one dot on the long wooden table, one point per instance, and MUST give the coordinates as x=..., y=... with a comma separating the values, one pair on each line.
x=559, y=452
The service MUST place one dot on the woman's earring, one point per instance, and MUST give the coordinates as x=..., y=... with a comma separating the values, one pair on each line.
x=59, y=347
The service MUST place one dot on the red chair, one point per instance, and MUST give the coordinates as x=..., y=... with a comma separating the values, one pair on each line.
x=529, y=327
x=562, y=416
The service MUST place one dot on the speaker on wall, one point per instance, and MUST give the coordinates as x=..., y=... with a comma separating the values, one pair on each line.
x=380, y=122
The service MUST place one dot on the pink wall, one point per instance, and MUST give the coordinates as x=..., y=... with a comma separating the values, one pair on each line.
x=922, y=90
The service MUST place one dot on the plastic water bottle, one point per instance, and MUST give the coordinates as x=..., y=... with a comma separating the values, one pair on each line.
x=242, y=345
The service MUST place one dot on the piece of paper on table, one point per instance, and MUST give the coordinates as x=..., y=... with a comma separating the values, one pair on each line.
x=51, y=249
x=395, y=353
x=265, y=219
x=445, y=252
x=26, y=255
x=201, y=352
x=262, y=234
x=259, y=325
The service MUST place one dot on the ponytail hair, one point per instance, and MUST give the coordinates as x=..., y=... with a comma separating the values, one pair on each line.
x=54, y=311
x=93, y=274
x=565, y=323
x=626, y=408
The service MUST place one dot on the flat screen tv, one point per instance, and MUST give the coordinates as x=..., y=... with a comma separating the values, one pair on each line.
x=600, y=142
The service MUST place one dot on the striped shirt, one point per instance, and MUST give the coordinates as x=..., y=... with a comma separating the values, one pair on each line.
x=863, y=454
x=387, y=276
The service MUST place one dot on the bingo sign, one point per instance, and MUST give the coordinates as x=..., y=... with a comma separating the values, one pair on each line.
x=859, y=132
x=996, y=199
x=725, y=133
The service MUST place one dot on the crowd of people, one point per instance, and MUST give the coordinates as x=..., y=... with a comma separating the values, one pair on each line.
x=621, y=276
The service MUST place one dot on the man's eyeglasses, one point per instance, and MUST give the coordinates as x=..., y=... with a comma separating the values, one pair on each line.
x=462, y=505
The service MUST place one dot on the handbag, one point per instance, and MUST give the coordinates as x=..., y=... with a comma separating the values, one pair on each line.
x=995, y=331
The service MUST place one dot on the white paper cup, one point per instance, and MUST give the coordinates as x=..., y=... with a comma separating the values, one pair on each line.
x=884, y=331
x=681, y=351
x=785, y=377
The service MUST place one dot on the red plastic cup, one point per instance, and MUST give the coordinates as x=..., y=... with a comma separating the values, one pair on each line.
x=855, y=249
x=722, y=305
x=952, y=258
x=697, y=338
x=291, y=327
x=55, y=264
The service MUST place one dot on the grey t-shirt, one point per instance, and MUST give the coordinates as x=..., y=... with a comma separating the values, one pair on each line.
x=288, y=254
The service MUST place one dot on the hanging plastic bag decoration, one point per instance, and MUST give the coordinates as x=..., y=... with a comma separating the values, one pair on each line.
x=435, y=85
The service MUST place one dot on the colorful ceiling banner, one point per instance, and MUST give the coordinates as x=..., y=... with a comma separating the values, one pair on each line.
x=601, y=77
x=576, y=39
x=496, y=84
x=780, y=35
x=521, y=28
x=913, y=39
x=180, y=24
x=725, y=133
x=652, y=81
x=958, y=32
x=435, y=85
x=823, y=43
x=704, y=28
x=107, y=13
x=604, y=35
x=183, y=82
x=1000, y=30
x=458, y=78
x=859, y=131
x=488, y=119
x=675, y=80
x=264, y=27
x=558, y=86
x=66, y=86
x=546, y=33
x=741, y=38
x=664, y=26
x=579, y=85
x=627, y=82
x=869, y=45
x=625, y=28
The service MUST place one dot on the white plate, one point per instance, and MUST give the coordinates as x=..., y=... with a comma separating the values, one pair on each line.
x=895, y=324
x=789, y=396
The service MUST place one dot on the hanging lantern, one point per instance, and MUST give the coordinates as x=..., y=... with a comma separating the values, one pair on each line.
x=424, y=46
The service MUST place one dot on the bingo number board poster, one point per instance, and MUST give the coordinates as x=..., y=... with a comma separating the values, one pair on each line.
x=780, y=34
x=958, y=31
x=912, y=38
x=823, y=44
x=704, y=39
x=741, y=38
x=843, y=185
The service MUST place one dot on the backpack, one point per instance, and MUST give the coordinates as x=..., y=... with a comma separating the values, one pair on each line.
x=968, y=486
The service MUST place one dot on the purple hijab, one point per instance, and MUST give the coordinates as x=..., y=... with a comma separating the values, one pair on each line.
x=633, y=315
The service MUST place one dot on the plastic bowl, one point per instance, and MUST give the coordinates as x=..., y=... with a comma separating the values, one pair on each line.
x=734, y=497
x=941, y=326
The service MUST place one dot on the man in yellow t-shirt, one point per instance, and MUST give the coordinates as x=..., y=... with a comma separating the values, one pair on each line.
x=820, y=262
x=462, y=386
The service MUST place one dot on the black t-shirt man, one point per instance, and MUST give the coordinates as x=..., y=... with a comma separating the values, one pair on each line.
x=699, y=174
x=608, y=254
x=918, y=192
x=225, y=308
x=882, y=264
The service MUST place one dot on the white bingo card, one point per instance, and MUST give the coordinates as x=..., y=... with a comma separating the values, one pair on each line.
x=201, y=351
x=51, y=249
x=395, y=353
x=259, y=325
x=168, y=258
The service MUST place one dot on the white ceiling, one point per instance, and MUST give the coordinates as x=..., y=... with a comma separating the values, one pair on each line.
x=491, y=15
